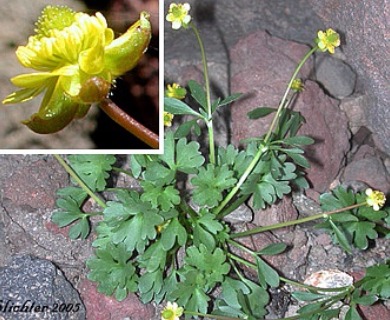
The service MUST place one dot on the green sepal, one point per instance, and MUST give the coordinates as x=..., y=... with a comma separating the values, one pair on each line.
x=124, y=53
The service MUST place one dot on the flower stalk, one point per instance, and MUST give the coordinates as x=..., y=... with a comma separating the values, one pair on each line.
x=209, y=122
x=295, y=222
x=129, y=123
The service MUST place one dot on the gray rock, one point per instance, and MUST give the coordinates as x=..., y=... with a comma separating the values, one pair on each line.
x=337, y=78
x=33, y=288
x=354, y=108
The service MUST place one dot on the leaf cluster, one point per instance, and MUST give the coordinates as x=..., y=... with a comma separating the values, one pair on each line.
x=355, y=227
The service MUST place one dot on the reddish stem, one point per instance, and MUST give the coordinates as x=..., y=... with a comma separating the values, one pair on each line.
x=129, y=123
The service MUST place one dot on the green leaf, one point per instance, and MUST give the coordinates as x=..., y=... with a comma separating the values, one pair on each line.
x=299, y=159
x=176, y=106
x=80, y=230
x=377, y=280
x=203, y=236
x=174, y=232
x=344, y=217
x=210, y=222
x=104, y=235
x=198, y=93
x=289, y=123
x=339, y=198
x=75, y=193
x=169, y=150
x=352, y=314
x=273, y=249
x=153, y=258
x=364, y=300
x=133, y=221
x=265, y=189
x=185, y=128
x=260, y=112
x=230, y=290
x=266, y=274
x=93, y=168
x=188, y=157
x=298, y=141
x=150, y=284
x=113, y=271
x=135, y=166
x=307, y=296
x=233, y=97
x=210, y=184
x=159, y=174
x=212, y=264
x=181, y=156
x=254, y=303
x=340, y=236
x=236, y=160
x=69, y=214
x=362, y=230
x=163, y=197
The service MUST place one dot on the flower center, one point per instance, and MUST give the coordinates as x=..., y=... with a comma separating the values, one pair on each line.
x=54, y=18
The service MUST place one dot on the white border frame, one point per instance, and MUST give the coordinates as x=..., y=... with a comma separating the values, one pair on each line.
x=160, y=150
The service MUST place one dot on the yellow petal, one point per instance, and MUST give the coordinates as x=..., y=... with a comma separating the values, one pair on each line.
x=91, y=61
x=31, y=80
x=22, y=95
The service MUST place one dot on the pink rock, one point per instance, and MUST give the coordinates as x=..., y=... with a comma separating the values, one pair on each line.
x=34, y=184
x=261, y=68
x=101, y=307
x=367, y=167
x=374, y=312
x=281, y=211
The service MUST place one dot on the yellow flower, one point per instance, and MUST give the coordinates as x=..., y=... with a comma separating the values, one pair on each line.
x=375, y=199
x=175, y=91
x=178, y=15
x=171, y=312
x=297, y=85
x=328, y=40
x=76, y=59
x=168, y=117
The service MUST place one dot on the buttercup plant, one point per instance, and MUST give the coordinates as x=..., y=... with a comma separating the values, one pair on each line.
x=77, y=59
x=171, y=243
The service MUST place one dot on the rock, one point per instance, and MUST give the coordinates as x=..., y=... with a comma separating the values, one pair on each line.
x=265, y=76
x=281, y=211
x=327, y=125
x=369, y=168
x=364, y=27
x=354, y=108
x=34, y=283
x=335, y=75
x=374, y=312
x=261, y=67
x=101, y=307
x=240, y=215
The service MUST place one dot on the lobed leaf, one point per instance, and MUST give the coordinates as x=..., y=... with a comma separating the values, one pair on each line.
x=93, y=169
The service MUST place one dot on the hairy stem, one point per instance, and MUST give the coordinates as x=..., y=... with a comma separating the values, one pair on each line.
x=129, y=123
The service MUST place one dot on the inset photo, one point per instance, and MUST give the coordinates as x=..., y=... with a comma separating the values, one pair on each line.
x=80, y=76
